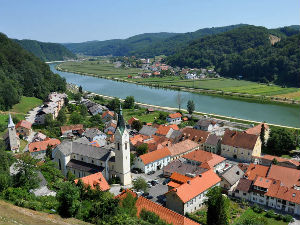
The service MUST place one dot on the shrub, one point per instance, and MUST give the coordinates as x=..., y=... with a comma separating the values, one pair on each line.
x=279, y=217
x=288, y=218
x=270, y=214
x=257, y=209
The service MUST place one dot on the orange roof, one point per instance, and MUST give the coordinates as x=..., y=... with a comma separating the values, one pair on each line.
x=64, y=129
x=182, y=147
x=138, y=139
x=263, y=182
x=198, y=136
x=256, y=170
x=179, y=178
x=95, y=143
x=280, y=159
x=42, y=145
x=155, y=155
x=164, y=129
x=131, y=120
x=257, y=129
x=110, y=132
x=185, y=119
x=94, y=180
x=175, y=115
x=108, y=112
x=204, y=157
x=173, y=184
x=288, y=176
x=239, y=139
x=25, y=124
x=282, y=192
x=196, y=186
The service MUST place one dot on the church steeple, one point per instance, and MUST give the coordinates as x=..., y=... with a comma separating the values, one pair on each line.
x=121, y=122
x=10, y=122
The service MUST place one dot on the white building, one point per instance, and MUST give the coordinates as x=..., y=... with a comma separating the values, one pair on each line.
x=174, y=118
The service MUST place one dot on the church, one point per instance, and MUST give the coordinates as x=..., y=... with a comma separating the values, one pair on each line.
x=83, y=159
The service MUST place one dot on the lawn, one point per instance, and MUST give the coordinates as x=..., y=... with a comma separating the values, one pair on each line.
x=140, y=114
x=23, y=144
x=26, y=104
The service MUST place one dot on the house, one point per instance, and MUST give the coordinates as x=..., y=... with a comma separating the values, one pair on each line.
x=130, y=121
x=112, y=160
x=110, y=127
x=213, y=144
x=191, y=76
x=177, y=179
x=205, y=159
x=38, y=149
x=95, y=180
x=198, y=136
x=95, y=109
x=174, y=118
x=191, y=195
x=58, y=98
x=256, y=130
x=267, y=160
x=11, y=139
x=150, y=110
x=147, y=130
x=182, y=167
x=240, y=145
x=165, y=214
x=39, y=137
x=230, y=178
x=23, y=127
x=95, y=135
x=181, y=148
x=207, y=124
x=71, y=129
x=153, y=161
x=107, y=116
x=166, y=130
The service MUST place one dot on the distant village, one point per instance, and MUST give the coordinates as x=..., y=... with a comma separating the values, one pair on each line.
x=180, y=165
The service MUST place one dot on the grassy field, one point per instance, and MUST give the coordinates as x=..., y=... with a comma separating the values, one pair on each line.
x=12, y=215
x=140, y=114
x=26, y=104
x=222, y=84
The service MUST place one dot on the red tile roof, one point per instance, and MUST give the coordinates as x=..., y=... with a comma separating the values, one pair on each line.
x=138, y=139
x=112, y=114
x=155, y=155
x=182, y=147
x=288, y=176
x=94, y=180
x=179, y=178
x=198, y=136
x=24, y=123
x=285, y=193
x=196, y=186
x=204, y=157
x=175, y=115
x=131, y=120
x=257, y=129
x=164, y=129
x=262, y=182
x=255, y=170
x=64, y=129
x=42, y=145
x=280, y=159
x=239, y=139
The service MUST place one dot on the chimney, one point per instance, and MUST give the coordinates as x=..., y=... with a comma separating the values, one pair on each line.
x=188, y=181
x=200, y=175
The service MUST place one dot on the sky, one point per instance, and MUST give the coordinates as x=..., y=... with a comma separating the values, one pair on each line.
x=65, y=21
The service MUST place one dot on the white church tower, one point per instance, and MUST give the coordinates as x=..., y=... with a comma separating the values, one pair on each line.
x=122, y=151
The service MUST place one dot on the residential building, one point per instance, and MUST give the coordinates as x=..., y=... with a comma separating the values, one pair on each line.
x=74, y=129
x=207, y=124
x=256, y=130
x=240, y=146
x=267, y=160
x=181, y=148
x=11, y=139
x=95, y=180
x=153, y=161
x=198, y=136
x=95, y=109
x=23, y=127
x=180, y=166
x=191, y=195
x=166, y=130
x=177, y=179
x=147, y=130
x=38, y=149
x=230, y=178
x=213, y=144
x=108, y=116
x=39, y=137
x=174, y=118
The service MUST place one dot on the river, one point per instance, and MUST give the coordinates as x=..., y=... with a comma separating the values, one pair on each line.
x=271, y=113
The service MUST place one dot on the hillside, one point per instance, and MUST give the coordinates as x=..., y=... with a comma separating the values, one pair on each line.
x=117, y=47
x=22, y=73
x=246, y=53
x=47, y=51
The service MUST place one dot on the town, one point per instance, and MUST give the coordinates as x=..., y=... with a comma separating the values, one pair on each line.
x=169, y=164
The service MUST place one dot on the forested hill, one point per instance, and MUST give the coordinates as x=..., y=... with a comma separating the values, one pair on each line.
x=22, y=73
x=118, y=47
x=47, y=51
x=245, y=52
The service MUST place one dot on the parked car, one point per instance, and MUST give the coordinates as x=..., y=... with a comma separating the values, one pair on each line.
x=149, y=197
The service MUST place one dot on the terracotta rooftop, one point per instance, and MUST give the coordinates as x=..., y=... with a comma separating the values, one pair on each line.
x=164, y=129
x=179, y=178
x=257, y=129
x=42, y=145
x=280, y=159
x=244, y=185
x=112, y=114
x=138, y=139
x=203, y=156
x=175, y=115
x=24, y=123
x=182, y=147
x=198, y=136
x=239, y=139
x=282, y=192
x=255, y=170
x=263, y=182
x=243, y=167
x=288, y=176
x=155, y=155
x=196, y=186
x=64, y=129
x=94, y=180
x=131, y=120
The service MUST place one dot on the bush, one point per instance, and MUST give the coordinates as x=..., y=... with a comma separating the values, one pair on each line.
x=288, y=218
x=270, y=214
x=257, y=209
x=279, y=217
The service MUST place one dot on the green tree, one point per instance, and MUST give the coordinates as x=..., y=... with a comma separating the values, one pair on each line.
x=48, y=120
x=76, y=118
x=142, y=149
x=49, y=152
x=262, y=135
x=83, y=110
x=137, y=125
x=129, y=102
x=80, y=89
x=96, y=121
x=5, y=181
x=217, y=207
x=140, y=184
x=70, y=176
x=77, y=97
x=151, y=217
x=62, y=118
x=114, y=105
x=190, y=106
x=69, y=199
x=128, y=205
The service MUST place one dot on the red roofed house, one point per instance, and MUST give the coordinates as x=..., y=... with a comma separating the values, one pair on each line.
x=200, y=157
x=257, y=130
x=267, y=160
x=107, y=116
x=174, y=118
x=153, y=161
x=164, y=213
x=240, y=145
x=23, y=128
x=191, y=195
x=177, y=179
x=38, y=149
x=182, y=148
x=166, y=130
x=94, y=180
x=71, y=128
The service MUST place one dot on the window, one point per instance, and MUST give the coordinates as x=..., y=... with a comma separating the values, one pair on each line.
x=118, y=146
x=126, y=146
x=244, y=194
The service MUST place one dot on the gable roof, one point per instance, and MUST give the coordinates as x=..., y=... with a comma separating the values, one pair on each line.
x=212, y=139
x=263, y=182
x=257, y=129
x=204, y=157
x=155, y=155
x=182, y=147
x=288, y=176
x=64, y=129
x=282, y=192
x=239, y=139
x=164, y=129
x=42, y=145
x=174, y=115
x=198, y=136
x=280, y=159
x=244, y=185
x=233, y=174
x=110, y=113
x=179, y=178
x=94, y=180
x=196, y=186
x=183, y=168
x=24, y=123
x=256, y=170
x=147, y=130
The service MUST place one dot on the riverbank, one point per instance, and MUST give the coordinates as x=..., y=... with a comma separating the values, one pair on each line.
x=223, y=94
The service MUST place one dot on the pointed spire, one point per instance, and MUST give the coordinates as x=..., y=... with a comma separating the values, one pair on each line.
x=10, y=122
x=121, y=122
